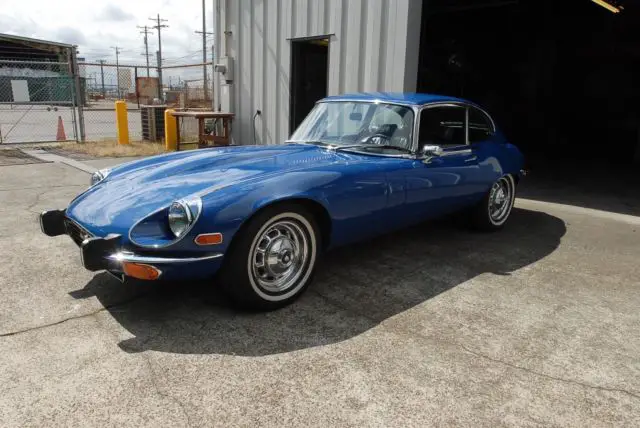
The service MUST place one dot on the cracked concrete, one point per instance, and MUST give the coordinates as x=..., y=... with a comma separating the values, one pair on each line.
x=536, y=325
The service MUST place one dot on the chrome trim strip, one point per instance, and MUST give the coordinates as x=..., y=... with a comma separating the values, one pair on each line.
x=459, y=104
x=134, y=258
x=372, y=101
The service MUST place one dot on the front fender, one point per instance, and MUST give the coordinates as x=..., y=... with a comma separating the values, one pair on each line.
x=226, y=210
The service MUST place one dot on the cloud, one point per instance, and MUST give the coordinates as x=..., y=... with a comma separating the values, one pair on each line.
x=112, y=12
x=70, y=35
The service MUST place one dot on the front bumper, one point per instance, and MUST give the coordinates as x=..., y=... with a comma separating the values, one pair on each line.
x=97, y=253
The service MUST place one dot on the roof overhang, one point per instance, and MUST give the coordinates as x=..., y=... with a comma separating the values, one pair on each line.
x=33, y=42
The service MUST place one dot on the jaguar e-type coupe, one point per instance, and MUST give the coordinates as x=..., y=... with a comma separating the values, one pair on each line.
x=259, y=217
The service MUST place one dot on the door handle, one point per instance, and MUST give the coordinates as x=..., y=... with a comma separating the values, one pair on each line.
x=472, y=159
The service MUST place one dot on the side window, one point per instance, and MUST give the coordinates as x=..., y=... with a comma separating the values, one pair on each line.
x=442, y=126
x=479, y=126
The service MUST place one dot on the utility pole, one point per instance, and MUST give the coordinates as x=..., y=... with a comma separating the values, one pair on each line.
x=101, y=61
x=117, y=68
x=159, y=26
x=145, y=31
x=204, y=49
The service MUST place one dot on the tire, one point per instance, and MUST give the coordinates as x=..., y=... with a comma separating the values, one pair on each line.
x=490, y=213
x=281, y=240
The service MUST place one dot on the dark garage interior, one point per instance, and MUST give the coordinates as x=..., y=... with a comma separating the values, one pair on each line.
x=558, y=76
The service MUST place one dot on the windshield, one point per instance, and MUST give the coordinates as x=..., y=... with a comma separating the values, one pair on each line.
x=358, y=124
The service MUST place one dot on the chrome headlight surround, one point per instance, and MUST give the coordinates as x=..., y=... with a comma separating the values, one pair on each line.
x=98, y=176
x=155, y=230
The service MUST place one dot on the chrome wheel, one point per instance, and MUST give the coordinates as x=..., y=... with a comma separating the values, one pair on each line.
x=280, y=256
x=500, y=201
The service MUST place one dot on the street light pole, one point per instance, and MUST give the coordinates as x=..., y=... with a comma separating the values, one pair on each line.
x=117, y=68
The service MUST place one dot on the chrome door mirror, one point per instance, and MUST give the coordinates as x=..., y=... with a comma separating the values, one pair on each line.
x=430, y=151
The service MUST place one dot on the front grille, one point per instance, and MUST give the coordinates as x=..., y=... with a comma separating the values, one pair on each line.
x=77, y=233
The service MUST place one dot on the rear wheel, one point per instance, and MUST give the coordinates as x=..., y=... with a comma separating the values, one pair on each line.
x=272, y=259
x=493, y=211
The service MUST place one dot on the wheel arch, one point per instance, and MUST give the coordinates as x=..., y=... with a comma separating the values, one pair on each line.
x=319, y=212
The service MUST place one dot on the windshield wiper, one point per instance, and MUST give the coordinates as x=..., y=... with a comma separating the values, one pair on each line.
x=309, y=142
x=366, y=146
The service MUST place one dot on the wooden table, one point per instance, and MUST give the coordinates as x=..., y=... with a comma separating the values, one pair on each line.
x=203, y=137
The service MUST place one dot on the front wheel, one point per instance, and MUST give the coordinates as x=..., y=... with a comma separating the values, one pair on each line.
x=493, y=211
x=272, y=259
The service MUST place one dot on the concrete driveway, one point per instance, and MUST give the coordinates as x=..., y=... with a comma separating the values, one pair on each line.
x=537, y=325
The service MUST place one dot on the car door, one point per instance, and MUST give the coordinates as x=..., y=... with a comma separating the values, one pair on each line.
x=449, y=179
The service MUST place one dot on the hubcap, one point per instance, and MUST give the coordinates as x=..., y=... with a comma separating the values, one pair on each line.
x=499, y=200
x=279, y=256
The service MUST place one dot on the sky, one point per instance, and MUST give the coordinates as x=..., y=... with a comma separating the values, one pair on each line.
x=97, y=25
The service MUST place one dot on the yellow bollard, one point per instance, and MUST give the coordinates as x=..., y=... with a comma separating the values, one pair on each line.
x=170, y=130
x=122, y=123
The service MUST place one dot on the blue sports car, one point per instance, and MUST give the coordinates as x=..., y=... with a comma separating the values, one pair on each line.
x=260, y=217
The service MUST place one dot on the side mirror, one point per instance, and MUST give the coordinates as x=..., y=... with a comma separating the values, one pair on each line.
x=431, y=150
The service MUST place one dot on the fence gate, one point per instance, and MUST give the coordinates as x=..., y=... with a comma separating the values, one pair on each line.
x=37, y=102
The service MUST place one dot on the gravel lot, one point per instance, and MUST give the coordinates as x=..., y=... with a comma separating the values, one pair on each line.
x=535, y=325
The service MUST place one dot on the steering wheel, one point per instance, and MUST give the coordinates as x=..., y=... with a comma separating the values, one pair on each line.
x=382, y=139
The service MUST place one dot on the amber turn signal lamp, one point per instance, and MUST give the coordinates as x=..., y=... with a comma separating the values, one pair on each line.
x=209, y=239
x=140, y=271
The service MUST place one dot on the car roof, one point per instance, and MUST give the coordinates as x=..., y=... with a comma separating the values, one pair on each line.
x=395, y=97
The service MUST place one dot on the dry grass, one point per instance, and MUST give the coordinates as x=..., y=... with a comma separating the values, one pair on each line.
x=111, y=149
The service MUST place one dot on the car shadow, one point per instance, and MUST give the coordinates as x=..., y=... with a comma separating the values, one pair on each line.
x=356, y=288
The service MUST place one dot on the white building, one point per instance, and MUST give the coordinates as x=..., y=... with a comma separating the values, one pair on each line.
x=349, y=45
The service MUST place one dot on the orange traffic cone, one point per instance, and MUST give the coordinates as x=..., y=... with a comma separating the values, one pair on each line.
x=60, y=136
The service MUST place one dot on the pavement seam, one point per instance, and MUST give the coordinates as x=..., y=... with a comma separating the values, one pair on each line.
x=478, y=354
x=156, y=388
x=39, y=187
x=37, y=201
x=64, y=320
x=547, y=376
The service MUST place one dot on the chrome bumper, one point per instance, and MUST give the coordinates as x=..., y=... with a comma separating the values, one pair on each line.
x=104, y=253
x=134, y=258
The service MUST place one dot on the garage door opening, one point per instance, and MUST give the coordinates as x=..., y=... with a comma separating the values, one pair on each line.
x=309, y=77
x=557, y=76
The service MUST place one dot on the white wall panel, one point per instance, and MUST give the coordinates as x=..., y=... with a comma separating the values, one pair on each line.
x=373, y=47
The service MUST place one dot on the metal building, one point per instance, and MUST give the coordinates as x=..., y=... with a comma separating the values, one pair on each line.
x=279, y=56
x=516, y=58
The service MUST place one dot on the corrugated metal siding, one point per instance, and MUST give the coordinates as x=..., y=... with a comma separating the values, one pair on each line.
x=373, y=47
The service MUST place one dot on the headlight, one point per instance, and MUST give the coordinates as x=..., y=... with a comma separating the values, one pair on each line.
x=180, y=218
x=98, y=176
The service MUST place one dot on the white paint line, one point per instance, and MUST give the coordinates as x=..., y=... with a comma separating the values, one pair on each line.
x=50, y=157
x=572, y=209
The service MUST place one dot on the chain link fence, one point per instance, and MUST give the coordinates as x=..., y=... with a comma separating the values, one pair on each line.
x=183, y=87
x=37, y=102
x=46, y=101
x=106, y=83
x=186, y=86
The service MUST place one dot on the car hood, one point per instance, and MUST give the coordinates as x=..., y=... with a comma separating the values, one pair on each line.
x=135, y=190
